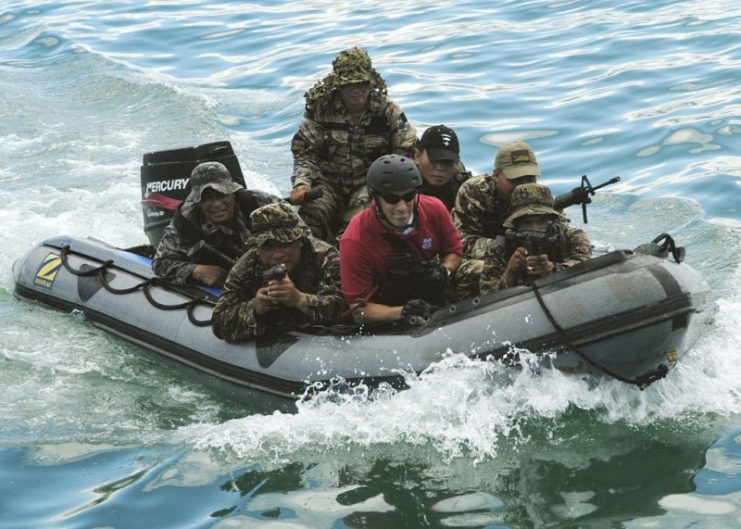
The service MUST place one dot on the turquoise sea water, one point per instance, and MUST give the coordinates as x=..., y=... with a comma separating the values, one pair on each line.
x=94, y=434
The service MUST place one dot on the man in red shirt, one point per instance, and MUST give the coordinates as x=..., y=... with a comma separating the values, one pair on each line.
x=397, y=256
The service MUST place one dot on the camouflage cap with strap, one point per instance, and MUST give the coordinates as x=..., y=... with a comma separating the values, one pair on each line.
x=210, y=175
x=352, y=65
x=277, y=222
x=531, y=199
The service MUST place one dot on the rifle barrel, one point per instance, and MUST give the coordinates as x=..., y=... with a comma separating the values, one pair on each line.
x=612, y=180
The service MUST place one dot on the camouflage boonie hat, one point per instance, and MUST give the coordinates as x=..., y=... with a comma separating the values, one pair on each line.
x=212, y=175
x=278, y=222
x=531, y=199
x=352, y=66
x=516, y=159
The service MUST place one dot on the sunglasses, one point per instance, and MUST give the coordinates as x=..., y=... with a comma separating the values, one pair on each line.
x=394, y=199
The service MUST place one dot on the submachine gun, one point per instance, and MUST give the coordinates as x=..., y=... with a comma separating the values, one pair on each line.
x=581, y=195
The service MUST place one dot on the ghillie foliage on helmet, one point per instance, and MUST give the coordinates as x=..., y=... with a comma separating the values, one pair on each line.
x=352, y=65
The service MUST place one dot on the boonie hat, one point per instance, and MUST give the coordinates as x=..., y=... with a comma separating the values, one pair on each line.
x=212, y=175
x=531, y=199
x=279, y=222
x=516, y=159
x=441, y=143
x=352, y=65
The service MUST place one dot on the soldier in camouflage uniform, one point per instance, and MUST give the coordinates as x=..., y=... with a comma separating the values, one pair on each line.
x=437, y=156
x=482, y=205
x=532, y=210
x=210, y=228
x=348, y=122
x=258, y=301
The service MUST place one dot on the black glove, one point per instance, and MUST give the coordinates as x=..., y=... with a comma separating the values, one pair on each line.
x=432, y=273
x=417, y=311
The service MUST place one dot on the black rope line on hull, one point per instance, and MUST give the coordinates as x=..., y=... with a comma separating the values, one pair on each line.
x=145, y=287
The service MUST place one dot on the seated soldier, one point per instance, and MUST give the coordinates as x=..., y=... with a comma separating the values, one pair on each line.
x=482, y=204
x=437, y=156
x=349, y=121
x=553, y=245
x=286, y=280
x=210, y=228
x=397, y=256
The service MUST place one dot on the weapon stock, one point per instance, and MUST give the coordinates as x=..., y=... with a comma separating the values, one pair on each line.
x=581, y=195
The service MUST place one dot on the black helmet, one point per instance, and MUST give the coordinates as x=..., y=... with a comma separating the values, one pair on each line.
x=392, y=172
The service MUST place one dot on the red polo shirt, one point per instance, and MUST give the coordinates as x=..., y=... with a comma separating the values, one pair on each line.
x=363, y=250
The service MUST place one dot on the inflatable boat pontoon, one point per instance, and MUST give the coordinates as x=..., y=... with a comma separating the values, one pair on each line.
x=630, y=315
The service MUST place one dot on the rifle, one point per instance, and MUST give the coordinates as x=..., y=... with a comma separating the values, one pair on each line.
x=203, y=253
x=580, y=195
x=549, y=242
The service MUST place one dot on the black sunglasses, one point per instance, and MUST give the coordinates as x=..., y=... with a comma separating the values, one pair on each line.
x=394, y=199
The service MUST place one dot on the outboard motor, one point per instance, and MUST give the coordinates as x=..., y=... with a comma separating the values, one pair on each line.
x=165, y=177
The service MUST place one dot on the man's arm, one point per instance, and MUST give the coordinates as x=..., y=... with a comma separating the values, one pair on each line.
x=403, y=135
x=235, y=317
x=327, y=304
x=306, y=148
x=451, y=261
x=470, y=216
x=171, y=260
x=579, y=247
x=374, y=313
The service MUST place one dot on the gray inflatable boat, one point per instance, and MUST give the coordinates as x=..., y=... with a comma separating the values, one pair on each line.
x=630, y=315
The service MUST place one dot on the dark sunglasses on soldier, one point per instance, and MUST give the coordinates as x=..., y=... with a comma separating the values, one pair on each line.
x=394, y=199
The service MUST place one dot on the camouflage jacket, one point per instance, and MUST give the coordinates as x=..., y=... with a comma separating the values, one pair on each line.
x=317, y=275
x=478, y=214
x=576, y=248
x=449, y=191
x=172, y=260
x=330, y=147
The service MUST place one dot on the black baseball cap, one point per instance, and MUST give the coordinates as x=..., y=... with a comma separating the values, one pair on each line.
x=441, y=143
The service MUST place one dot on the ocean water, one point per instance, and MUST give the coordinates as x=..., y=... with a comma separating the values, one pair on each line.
x=93, y=434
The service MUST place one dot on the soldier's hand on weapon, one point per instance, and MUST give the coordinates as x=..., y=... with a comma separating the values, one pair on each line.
x=264, y=301
x=284, y=291
x=539, y=265
x=516, y=263
x=211, y=275
x=432, y=272
x=298, y=194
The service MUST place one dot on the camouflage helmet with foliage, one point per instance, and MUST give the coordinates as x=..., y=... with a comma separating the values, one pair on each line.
x=531, y=199
x=352, y=65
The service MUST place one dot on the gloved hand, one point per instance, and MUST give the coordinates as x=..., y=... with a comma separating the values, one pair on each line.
x=433, y=273
x=417, y=311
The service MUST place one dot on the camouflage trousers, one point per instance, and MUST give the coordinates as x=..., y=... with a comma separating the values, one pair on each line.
x=468, y=275
x=328, y=214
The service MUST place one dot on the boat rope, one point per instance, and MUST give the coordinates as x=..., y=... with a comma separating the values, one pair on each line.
x=641, y=381
x=145, y=287
x=669, y=246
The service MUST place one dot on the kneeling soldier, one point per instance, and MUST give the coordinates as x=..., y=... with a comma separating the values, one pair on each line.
x=286, y=280
x=537, y=243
